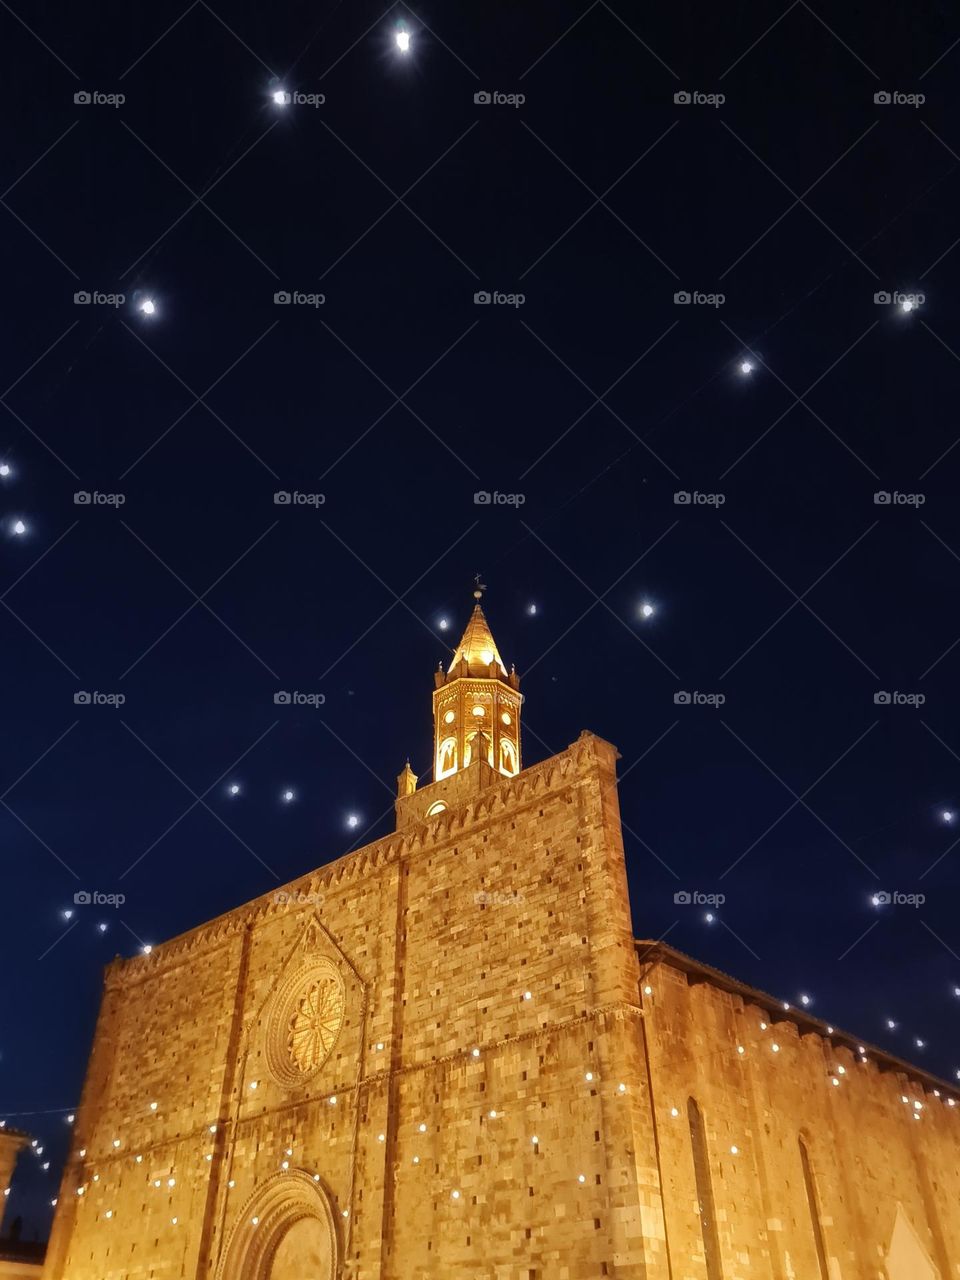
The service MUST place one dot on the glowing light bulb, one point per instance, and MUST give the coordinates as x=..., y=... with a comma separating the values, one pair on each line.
x=947, y=816
x=443, y=624
x=891, y=1025
x=734, y=1151
x=153, y=1106
x=288, y=796
x=233, y=789
x=528, y=995
x=709, y=917
x=4, y=469
x=746, y=366
x=146, y=948
x=454, y=1195
x=403, y=41
x=148, y=307
x=67, y=915
x=70, y=1118
x=19, y=527
x=921, y=1044
x=805, y=1001
x=353, y=820
x=907, y=304
x=102, y=927
x=581, y=1178
x=647, y=610
x=280, y=97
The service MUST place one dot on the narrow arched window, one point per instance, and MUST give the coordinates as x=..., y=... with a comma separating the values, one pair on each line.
x=811, y=1186
x=705, y=1206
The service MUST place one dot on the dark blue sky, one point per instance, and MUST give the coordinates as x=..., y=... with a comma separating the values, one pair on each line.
x=599, y=398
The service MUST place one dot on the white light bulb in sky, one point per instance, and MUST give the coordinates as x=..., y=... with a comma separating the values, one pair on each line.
x=746, y=366
x=148, y=307
x=67, y=914
x=403, y=41
x=947, y=816
x=906, y=304
x=805, y=1000
x=19, y=527
x=532, y=609
x=287, y=796
x=647, y=610
x=233, y=789
x=102, y=928
x=443, y=624
x=353, y=820
x=4, y=468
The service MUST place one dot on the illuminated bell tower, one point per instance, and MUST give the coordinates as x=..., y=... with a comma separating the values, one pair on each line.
x=476, y=705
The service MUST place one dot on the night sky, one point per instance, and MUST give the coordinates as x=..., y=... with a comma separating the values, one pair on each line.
x=783, y=586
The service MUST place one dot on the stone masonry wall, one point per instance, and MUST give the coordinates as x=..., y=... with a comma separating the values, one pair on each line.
x=484, y=1110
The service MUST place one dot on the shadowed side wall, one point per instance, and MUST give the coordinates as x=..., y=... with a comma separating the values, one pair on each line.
x=872, y=1155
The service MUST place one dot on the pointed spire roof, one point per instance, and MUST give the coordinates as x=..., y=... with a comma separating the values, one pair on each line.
x=477, y=646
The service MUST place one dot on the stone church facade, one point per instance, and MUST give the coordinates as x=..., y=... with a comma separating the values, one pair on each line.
x=446, y=1054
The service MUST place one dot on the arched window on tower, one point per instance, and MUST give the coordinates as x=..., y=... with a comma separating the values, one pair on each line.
x=705, y=1206
x=811, y=1189
x=508, y=757
x=446, y=757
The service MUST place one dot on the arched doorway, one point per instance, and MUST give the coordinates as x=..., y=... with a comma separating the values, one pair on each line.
x=285, y=1231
